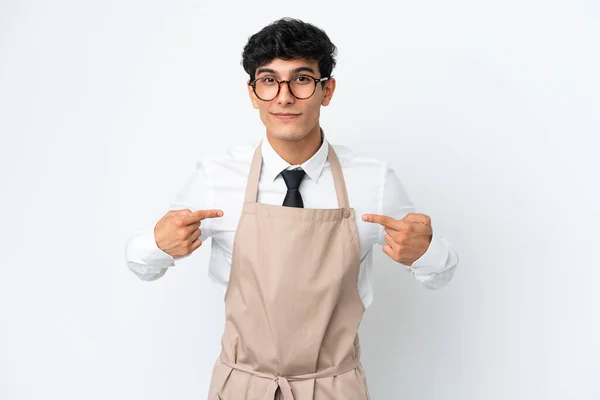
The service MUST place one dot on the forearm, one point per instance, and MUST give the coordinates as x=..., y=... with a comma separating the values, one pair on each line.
x=437, y=266
x=144, y=258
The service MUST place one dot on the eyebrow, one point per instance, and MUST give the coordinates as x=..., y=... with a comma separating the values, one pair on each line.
x=294, y=71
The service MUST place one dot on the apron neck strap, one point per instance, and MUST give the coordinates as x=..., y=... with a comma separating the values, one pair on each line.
x=336, y=170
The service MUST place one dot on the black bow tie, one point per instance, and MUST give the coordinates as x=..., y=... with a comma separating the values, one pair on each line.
x=292, y=179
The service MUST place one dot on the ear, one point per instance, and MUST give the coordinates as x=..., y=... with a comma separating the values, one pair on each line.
x=252, y=97
x=328, y=91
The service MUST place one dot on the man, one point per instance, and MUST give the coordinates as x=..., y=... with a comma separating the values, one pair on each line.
x=293, y=221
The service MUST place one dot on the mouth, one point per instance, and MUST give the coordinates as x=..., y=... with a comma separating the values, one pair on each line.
x=285, y=116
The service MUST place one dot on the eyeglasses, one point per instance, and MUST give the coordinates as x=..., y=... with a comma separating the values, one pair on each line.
x=301, y=86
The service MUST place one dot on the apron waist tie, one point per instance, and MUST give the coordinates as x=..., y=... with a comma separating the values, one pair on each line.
x=283, y=382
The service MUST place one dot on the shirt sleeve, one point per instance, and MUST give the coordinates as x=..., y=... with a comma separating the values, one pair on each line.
x=144, y=258
x=437, y=265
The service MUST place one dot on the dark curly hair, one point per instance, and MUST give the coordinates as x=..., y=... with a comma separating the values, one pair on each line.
x=289, y=38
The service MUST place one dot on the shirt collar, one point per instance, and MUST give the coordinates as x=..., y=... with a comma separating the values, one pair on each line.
x=273, y=164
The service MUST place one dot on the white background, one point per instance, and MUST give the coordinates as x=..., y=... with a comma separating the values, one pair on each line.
x=488, y=110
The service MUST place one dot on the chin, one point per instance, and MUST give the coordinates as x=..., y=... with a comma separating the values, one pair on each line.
x=290, y=133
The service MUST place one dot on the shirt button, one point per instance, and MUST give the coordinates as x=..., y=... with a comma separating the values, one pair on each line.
x=346, y=213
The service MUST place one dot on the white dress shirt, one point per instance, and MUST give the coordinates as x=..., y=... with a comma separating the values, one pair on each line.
x=220, y=182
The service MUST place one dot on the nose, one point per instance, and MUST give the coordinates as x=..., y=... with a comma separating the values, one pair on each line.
x=285, y=96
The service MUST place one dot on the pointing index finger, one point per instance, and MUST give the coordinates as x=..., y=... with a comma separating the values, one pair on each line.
x=384, y=220
x=200, y=215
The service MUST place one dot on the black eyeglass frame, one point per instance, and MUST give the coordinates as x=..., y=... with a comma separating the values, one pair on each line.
x=279, y=82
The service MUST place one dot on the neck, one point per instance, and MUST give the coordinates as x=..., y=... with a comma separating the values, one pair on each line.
x=295, y=152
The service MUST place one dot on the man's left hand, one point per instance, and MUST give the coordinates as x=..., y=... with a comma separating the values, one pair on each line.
x=407, y=239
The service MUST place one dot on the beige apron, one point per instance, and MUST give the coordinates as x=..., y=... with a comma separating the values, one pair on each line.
x=292, y=304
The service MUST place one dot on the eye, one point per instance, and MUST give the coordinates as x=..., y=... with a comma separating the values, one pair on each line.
x=302, y=79
x=268, y=80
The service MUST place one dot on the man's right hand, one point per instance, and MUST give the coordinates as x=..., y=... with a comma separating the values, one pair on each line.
x=177, y=233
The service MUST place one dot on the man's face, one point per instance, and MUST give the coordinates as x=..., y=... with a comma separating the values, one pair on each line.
x=307, y=111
